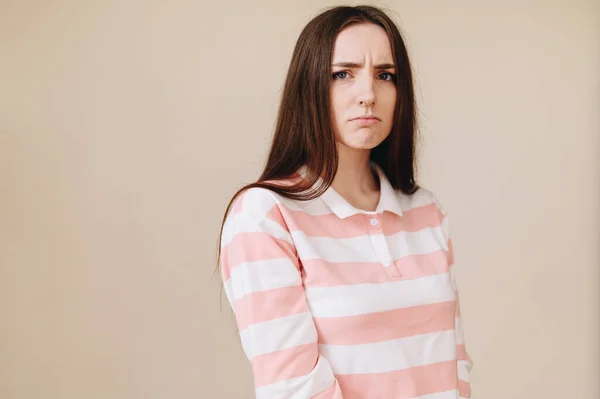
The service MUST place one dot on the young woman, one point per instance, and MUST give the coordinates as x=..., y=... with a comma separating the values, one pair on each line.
x=338, y=266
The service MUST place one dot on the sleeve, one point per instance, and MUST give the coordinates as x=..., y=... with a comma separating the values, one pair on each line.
x=464, y=362
x=263, y=284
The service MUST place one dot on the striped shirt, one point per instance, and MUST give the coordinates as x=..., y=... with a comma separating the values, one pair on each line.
x=337, y=302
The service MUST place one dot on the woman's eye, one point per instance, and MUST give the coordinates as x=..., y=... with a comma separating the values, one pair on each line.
x=387, y=76
x=340, y=75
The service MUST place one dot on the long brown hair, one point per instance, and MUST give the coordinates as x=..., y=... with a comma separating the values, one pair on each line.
x=304, y=133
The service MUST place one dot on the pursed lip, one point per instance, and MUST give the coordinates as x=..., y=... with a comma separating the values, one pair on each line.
x=366, y=118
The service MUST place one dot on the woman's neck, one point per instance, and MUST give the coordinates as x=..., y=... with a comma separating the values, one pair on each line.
x=355, y=179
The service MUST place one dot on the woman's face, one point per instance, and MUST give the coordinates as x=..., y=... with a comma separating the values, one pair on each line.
x=363, y=88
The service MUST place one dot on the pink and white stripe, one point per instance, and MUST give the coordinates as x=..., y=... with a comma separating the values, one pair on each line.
x=336, y=302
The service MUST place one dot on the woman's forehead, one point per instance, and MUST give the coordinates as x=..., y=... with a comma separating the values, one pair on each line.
x=361, y=42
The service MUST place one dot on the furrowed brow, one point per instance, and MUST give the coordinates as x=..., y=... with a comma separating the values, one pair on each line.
x=355, y=65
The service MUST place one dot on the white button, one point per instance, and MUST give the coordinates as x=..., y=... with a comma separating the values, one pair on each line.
x=374, y=222
x=386, y=263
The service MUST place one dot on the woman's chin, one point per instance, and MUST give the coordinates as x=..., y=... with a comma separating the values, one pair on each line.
x=364, y=139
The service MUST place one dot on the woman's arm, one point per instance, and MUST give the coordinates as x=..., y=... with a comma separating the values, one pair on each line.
x=262, y=279
x=465, y=363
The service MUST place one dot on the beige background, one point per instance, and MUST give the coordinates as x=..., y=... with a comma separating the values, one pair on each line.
x=125, y=126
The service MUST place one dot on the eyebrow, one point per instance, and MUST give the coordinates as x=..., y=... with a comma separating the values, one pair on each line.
x=357, y=65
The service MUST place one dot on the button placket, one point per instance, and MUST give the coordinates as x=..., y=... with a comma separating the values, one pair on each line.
x=379, y=242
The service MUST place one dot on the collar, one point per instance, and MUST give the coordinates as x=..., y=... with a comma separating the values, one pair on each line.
x=388, y=200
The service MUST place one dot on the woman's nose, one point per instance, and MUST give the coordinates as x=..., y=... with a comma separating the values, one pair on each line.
x=366, y=93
